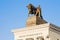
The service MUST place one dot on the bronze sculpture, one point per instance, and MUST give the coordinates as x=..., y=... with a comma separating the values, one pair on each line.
x=34, y=10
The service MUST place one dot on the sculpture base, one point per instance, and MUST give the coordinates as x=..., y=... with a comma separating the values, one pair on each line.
x=34, y=20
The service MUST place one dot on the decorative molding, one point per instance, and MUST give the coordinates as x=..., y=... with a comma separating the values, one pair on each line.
x=31, y=35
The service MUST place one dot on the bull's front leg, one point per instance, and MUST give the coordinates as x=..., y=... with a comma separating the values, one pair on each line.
x=28, y=13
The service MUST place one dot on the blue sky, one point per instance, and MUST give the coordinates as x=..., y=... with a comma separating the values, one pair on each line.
x=13, y=14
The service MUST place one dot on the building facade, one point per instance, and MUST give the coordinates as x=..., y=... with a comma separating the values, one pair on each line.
x=45, y=31
x=37, y=29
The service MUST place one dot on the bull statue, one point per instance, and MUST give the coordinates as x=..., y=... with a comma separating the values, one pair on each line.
x=34, y=10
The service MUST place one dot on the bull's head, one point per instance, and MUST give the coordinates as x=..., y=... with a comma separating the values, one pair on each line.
x=29, y=6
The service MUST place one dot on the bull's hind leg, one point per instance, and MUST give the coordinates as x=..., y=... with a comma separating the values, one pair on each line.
x=38, y=14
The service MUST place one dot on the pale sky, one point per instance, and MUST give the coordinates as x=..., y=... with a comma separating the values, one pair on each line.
x=13, y=14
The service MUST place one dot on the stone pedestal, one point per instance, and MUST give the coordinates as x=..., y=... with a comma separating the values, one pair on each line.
x=34, y=20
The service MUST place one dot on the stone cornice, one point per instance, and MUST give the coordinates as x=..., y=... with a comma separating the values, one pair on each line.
x=55, y=28
x=37, y=27
x=31, y=28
